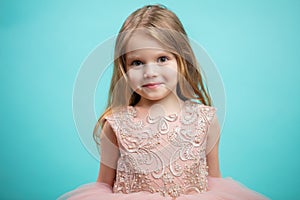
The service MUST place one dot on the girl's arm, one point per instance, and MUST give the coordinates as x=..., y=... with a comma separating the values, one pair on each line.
x=109, y=155
x=213, y=162
x=106, y=175
x=212, y=157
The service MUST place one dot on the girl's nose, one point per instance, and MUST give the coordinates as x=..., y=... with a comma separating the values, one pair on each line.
x=150, y=70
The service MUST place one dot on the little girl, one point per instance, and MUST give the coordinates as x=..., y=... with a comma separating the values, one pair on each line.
x=159, y=133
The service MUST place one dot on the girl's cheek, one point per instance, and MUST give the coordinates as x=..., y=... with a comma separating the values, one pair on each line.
x=135, y=78
x=170, y=70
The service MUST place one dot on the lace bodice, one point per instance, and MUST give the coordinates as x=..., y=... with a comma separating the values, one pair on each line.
x=165, y=154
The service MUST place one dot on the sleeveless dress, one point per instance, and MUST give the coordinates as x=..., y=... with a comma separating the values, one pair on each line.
x=163, y=157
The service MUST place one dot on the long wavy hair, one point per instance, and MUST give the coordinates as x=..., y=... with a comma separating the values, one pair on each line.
x=164, y=26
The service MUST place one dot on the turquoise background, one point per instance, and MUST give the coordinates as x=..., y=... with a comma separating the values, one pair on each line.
x=255, y=45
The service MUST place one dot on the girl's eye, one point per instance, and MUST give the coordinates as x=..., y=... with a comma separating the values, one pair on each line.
x=162, y=59
x=136, y=63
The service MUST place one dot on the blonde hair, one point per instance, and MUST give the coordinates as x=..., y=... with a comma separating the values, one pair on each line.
x=164, y=26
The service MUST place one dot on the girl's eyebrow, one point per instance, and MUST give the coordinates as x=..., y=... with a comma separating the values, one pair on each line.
x=132, y=55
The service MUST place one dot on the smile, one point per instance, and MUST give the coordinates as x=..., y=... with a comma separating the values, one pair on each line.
x=151, y=85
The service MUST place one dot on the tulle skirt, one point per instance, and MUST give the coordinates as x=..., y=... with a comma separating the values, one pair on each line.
x=218, y=188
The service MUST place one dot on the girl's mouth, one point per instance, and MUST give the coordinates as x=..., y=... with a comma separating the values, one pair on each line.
x=151, y=85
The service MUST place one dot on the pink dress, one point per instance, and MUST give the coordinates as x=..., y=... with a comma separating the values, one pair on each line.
x=163, y=157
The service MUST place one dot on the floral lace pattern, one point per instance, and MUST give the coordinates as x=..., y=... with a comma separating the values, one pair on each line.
x=165, y=154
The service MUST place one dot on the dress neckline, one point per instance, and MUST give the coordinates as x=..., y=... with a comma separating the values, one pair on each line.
x=134, y=113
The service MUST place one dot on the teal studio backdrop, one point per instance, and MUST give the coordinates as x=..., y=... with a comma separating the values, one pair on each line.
x=255, y=45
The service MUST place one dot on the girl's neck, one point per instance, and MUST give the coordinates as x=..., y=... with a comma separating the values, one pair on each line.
x=170, y=105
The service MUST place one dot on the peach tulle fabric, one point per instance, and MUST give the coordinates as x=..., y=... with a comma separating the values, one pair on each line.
x=218, y=188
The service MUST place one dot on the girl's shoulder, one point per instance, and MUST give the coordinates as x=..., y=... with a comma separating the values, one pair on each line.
x=118, y=112
x=198, y=105
x=200, y=108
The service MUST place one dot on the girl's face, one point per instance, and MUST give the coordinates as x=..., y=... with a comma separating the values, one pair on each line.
x=151, y=70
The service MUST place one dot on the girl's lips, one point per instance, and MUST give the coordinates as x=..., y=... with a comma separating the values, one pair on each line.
x=151, y=85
